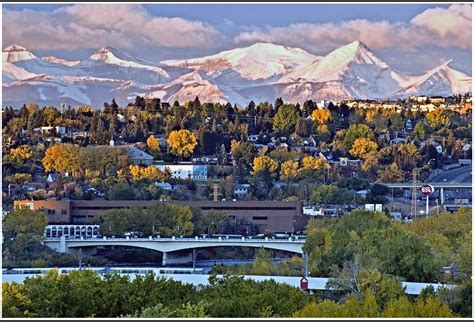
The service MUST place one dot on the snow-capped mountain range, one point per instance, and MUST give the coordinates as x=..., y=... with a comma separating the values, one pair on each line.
x=260, y=72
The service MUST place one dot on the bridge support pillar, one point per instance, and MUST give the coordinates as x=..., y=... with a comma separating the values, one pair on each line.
x=441, y=195
x=163, y=261
x=62, y=244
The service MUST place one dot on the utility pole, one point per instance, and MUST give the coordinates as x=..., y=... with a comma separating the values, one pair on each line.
x=305, y=255
x=414, y=193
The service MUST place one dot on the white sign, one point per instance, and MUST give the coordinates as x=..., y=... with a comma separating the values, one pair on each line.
x=427, y=189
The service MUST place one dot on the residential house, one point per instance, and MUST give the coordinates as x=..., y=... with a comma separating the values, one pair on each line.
x=397, y=141
x=14, y=190
x=164, y=186
x=197, y=172
x=121, y=118
x=326, y=155
x=362, y=193
x=322, y=104
x=241, y=190
x=409, y=125
x=139, y=157
x=162, y=141
x=309, y=141
x=252, y=138
x=53, y=177
x=32, y=186
x=437, y=100
x=438, y=146
x=345, y=162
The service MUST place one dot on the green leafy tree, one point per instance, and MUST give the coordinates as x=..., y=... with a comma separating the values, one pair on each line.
x=419, y=130
x=22, y=228
x=357, y=131
x=187, y=310
x=121, y=191
x=285, y=119
x=408, y=255
x=159, y=219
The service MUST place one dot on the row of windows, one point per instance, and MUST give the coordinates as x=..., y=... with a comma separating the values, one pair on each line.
x=53, y=212
x=70, y=231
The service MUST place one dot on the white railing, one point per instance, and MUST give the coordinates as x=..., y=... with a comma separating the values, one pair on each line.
x=183, y=239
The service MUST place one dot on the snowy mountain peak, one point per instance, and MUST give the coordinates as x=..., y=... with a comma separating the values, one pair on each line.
x=14, y=47
x=258, y=61
x=104, y=53
x=443, y=65
x=259, y=72
x=112, y=56
x=336, y=63
x=440, y=80
x=60, y=61
x=15, y=53
x=356, y=52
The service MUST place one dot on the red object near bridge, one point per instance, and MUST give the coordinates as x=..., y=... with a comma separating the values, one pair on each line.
x=304, y=283
x=427, y=189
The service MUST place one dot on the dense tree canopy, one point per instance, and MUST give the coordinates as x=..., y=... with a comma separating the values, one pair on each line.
x=182, y=142
x=159, y=219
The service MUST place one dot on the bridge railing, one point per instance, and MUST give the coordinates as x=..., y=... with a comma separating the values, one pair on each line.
x=183, y=239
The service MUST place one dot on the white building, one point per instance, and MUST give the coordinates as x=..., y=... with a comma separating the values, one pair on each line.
x=241, y=190
x=197, y=172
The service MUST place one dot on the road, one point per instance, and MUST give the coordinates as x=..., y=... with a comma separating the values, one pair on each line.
x=458, y=175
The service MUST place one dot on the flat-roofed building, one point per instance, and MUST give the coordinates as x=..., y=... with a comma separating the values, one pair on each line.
x=273, y=216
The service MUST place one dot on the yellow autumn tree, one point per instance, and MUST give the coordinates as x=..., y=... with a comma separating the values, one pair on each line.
x=289, y=170
x=264, y=165
x=149, y=173
x=135, y=172
x=391, y=174
x=21, y=153
x=313, y=163
x=313, y=167
x=437, y=119
x=321, y=115
x=361, y=147
x=235, y=146
x=153, y=143
x=62, y=158
x=182, y=142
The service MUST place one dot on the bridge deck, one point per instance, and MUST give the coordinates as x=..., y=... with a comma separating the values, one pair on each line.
x=165, y=245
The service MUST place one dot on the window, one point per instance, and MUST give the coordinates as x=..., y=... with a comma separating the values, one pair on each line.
x=260, y=218
x=51, y=212
x=64, y=212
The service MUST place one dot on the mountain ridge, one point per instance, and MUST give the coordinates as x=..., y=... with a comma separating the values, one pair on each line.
x=262, y=71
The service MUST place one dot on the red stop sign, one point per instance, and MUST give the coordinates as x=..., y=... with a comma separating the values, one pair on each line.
x=427, y=189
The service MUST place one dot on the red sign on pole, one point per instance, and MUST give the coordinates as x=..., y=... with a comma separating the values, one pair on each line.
x=427, y=189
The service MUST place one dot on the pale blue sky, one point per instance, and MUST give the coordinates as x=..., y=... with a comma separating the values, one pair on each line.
x=407, y=36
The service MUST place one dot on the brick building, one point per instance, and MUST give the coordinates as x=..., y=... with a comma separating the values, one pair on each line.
x=273, y=216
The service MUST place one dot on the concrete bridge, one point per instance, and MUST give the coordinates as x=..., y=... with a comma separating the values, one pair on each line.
x=173, y=244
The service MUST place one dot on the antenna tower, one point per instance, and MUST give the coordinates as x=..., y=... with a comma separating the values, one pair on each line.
x=216, y=193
